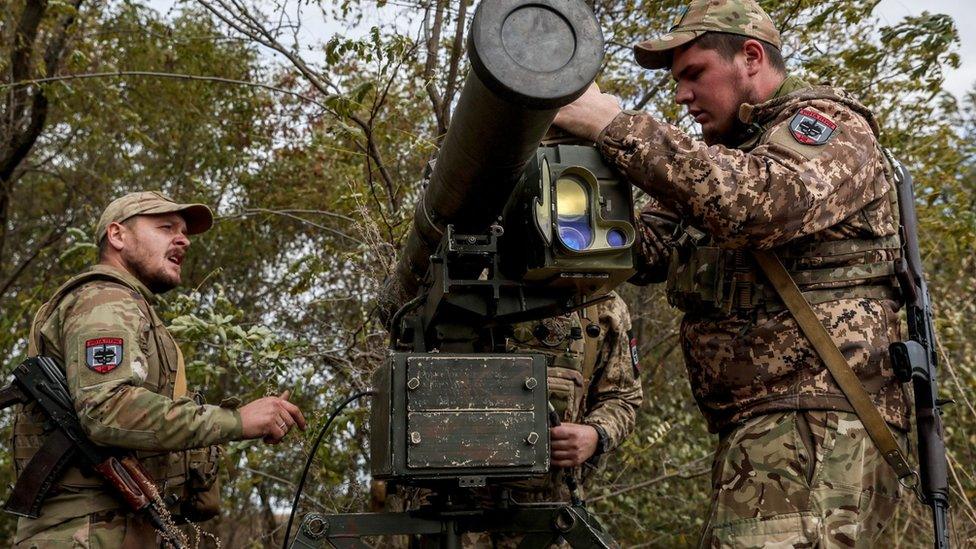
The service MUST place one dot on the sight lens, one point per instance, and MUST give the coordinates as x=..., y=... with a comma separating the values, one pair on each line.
x=572, y=214
x=616, y=238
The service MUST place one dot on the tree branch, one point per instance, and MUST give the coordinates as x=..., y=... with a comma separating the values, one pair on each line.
x=451, y=85
x=430, y=64
x=177, y=76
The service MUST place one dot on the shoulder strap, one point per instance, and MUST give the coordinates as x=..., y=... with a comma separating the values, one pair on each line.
x=591, y=314
x=836, y=364
x=34, y=341
x=44, y=313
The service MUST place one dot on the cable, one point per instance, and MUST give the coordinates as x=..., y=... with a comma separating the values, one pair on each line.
x=311, y=455
x=395, y=320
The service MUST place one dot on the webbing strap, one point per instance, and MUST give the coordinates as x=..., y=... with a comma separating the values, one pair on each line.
x=179, y=385
x=836, y=364
x=591, y=314
x=850, y=273
x=833, y=248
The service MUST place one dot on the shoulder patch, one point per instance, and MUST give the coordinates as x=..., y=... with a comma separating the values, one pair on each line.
x=103, y=354
x=810, y=127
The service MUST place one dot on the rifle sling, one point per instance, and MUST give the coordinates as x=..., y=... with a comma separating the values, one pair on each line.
x=40, y=474
x=836, y=364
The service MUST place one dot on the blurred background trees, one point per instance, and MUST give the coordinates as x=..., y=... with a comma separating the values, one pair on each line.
x=307, y=125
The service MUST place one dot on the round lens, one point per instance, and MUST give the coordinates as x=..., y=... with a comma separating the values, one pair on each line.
x=616, y=238
x=570, y=198
x=573, y=238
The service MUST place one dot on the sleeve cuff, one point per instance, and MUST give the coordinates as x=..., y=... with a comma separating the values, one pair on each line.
x=229, y=422
x=616, y=130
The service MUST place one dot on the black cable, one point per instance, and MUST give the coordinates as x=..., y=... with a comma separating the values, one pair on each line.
x=395, y=320
x=311, y=455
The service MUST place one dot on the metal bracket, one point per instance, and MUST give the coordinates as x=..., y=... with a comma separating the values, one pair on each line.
x=541, y=524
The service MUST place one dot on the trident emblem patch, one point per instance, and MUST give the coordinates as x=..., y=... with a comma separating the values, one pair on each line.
x=103, y=354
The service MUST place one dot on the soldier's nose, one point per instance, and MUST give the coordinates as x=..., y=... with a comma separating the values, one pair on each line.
x=683, y=96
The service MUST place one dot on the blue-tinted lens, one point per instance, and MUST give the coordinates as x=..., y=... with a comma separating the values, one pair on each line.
x=576, y=236
x=616, y=238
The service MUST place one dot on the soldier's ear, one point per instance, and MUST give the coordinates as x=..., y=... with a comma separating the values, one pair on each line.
x=114, y=236
x=754, y=56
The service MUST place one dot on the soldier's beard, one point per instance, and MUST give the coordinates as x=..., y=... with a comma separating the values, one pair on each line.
x=732, y=133
x=156, y=278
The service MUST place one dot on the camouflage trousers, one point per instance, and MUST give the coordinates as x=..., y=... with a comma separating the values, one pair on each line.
x=799, y=480
x=99, y=531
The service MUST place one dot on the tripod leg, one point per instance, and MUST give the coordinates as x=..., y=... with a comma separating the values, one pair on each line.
x=581, y=531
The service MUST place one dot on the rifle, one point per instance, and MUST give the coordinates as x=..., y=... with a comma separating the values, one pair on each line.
x=40, y=380
x=915, y=360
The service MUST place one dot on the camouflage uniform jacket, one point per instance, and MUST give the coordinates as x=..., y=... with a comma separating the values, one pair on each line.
x=121, y=366
x=773, y=192
x=605, y=393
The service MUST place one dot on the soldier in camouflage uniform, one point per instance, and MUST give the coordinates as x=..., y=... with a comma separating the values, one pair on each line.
x=594, y=384
x=128, y=380
x=787, y=167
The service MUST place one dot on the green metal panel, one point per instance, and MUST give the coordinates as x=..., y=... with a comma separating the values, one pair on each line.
x=448, y=417
x=472, y=439
x=470, y=383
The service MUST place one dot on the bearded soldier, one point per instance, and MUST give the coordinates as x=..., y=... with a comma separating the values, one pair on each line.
x=127, y=378
x=788, y=172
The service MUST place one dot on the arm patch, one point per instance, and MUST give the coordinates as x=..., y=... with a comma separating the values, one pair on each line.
x=104, y=354
x=811, y=127
x=805, y=134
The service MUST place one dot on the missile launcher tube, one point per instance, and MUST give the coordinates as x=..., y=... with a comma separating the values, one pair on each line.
x=528, y=59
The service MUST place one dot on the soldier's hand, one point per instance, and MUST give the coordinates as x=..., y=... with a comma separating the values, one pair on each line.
x=572, y=444
x=589, y=114
x=270, y=418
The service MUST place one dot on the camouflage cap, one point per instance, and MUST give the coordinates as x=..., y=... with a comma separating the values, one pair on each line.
x=743, y=17
x=198, y=217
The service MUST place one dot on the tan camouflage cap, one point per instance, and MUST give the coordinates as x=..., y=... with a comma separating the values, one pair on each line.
x=198, y=217
x=743, y=17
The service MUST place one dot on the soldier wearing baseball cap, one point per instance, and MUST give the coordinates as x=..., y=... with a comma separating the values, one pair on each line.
x=127, y=377
x=740, y=17
x=796, y=171
x=198, y=217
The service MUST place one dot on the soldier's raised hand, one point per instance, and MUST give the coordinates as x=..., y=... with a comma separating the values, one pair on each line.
x=270, y=418
x=589, y=114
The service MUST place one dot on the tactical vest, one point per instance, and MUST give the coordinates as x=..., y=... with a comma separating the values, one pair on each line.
x=571, y=357
x=708, y=280
x=168, y=469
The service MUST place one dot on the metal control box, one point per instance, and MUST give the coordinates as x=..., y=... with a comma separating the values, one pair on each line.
x=464, y=418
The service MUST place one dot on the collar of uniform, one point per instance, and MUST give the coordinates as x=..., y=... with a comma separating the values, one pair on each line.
x=126, y=277
x=792, y=84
